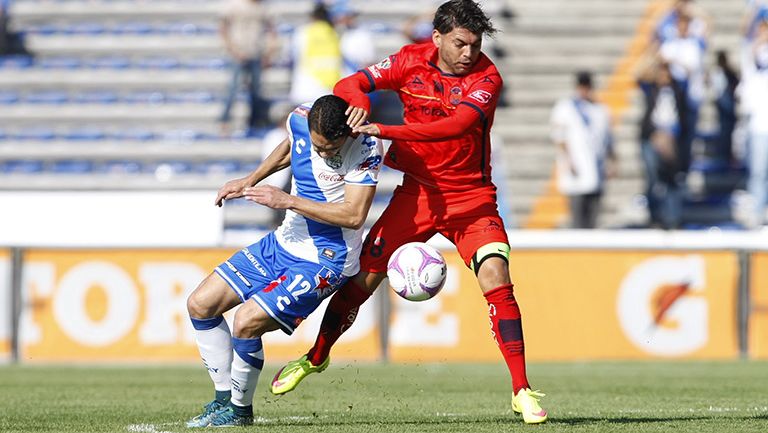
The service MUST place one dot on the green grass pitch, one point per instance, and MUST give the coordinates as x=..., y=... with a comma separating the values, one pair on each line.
x=349, y=397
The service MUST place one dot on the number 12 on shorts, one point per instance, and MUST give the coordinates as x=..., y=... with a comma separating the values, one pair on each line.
x=305, y=286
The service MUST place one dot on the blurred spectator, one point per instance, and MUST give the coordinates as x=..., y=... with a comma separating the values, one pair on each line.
x=249, y=38
x=10, y=42
x=754, y=96
x=418, y=28
x=757, y=11
x=316, y=54
x=581, y=129
x=357, y=46
x=664, y=124
x=668, y=28
x=684, y=53
x=724, y=81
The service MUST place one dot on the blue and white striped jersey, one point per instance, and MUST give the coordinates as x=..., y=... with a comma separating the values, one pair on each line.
x=323, y=180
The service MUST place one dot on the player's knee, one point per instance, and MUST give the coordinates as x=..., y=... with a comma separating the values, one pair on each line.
x=251, y=321
x=491, y=265
x=196, y=308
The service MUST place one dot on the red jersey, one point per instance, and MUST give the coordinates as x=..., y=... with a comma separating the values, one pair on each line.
x=445, y=142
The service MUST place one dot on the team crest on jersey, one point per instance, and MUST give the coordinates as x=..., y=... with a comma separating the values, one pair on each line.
x=455, y=97
x=326, y=282
x=481, y=96
x=334, y=162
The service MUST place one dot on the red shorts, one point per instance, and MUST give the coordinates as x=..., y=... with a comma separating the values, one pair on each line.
x=469, y=219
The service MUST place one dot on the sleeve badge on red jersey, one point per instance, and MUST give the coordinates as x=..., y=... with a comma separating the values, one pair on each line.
x=384, y=64
x=481, y=96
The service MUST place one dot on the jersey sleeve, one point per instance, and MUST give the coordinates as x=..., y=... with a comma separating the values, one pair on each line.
x=365, y=162
x=386, y=74
x=484, y=94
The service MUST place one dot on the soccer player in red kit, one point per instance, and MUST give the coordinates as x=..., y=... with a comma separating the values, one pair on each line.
x=449, y=90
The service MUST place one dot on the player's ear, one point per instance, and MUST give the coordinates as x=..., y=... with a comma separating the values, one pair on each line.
x=436, y=37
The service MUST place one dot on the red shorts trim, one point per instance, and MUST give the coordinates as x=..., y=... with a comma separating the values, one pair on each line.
x=416, y=213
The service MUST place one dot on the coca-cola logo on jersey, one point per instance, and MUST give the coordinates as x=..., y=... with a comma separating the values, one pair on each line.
x=330, y=177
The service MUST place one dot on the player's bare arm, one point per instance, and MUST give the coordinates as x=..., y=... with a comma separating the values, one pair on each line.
x=351, y=213
x=279, y=159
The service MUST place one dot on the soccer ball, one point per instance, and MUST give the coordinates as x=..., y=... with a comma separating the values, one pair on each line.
x=416, y=271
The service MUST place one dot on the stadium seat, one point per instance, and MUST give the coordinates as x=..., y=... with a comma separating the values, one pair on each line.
x=133, y=135
x=198, y=97
x=34, y=134
x=108, y=63
x=84, y=29
x=49, y=97
x=84, y=134
x=97, y=97
x=145, y=98
x=206, y=63
x=156, y=63
x=16, y=62
x=21, y=166
x=59, y=63
x=71, y=166
x=218, y=167
x=133, y=29
x=120, y=167
x=8, y=98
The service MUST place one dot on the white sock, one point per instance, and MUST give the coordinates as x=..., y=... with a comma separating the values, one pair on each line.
x=246, y=367
x=215, y=343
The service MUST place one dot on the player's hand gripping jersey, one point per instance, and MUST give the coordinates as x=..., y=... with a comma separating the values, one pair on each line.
x=454, y=113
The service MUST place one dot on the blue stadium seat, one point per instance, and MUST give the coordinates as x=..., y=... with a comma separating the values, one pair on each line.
x=48, y=97
x=249, y=166
x=226, y=166
x=71, y=166
x=186, y=28
x=199, y=97
x=145, y=98
x=206, y=63
x=156, y=63
x=43, y=29
x=134, y=29
x=16, y=62
x=134, y=135
x=35, y=134
x=59, y=63
x=8, y=98
x=21, y=166
x=170, y=167
x=111, y=62
x=120, y=167
x=85, y=134
x=97, y=97
x=84, y=29
x=182, y=135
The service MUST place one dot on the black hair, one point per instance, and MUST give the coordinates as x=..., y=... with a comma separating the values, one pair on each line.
x=466, y=14
x=320, y=13
x=584, y=78
x=327, y=117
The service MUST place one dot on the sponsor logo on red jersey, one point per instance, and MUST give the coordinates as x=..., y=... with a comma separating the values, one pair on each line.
x=481, y=96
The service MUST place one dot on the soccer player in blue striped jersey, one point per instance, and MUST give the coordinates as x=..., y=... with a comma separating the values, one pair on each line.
x=283, y=277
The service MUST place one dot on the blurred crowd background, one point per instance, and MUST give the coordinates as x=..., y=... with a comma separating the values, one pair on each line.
x=616, y=114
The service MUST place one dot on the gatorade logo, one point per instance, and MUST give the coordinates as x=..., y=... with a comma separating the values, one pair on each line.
x=661, y=308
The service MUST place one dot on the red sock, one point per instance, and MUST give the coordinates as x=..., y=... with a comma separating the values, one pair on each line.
x=339, y=316
x=507, y=329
